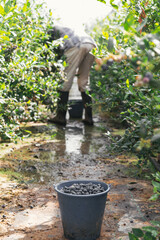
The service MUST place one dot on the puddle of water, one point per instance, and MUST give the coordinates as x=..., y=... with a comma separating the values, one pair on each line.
x=73, y=143
x=48, y=159
x=50, y=156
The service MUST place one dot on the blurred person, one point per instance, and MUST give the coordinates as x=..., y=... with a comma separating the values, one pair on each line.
x=76, y=48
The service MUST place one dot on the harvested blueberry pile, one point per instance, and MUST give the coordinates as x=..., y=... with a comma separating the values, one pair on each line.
x=83, y=189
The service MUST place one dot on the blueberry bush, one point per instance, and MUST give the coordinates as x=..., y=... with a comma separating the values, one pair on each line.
x=126, y=78
x=126, y=83
x=30, y=69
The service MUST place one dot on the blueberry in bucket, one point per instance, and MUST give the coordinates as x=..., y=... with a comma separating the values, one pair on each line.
x=83, y=189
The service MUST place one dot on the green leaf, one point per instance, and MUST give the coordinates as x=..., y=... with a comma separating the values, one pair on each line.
x=64, y=63
x=103, y=1
x=127, y=83
x=7, y=6
x=157, y=176
x=27, y=131
x=156, y=185
x=2, y=10
x=157, y=98
x=3, y=32
x=157, y=107
x=113, y=5
x=129, y=21
x=132, y=236
x=149, y=236
x=2, y=86
x=26, y=6
x=154, y=197
x=5, y=38
x=141, y=96
x=137, y=232
x=152, y=230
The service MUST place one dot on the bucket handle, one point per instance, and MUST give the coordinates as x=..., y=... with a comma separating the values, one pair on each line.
x=109, y=186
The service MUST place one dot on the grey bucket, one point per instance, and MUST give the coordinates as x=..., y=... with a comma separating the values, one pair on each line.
x=75, y=108
x=82, y=215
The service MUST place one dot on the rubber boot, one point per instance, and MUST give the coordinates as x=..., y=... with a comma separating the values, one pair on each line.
x=60, y=117
x=87, y=102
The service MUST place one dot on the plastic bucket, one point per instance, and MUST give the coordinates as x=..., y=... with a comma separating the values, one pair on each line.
x=75, y=109
x=82, y=215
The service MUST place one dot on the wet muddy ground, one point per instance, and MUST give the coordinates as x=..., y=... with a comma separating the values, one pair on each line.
x=28, y=203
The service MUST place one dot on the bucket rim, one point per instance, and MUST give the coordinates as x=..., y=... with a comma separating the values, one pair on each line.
x=82, y=181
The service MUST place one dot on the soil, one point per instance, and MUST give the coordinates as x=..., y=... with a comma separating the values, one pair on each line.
x=29, y=206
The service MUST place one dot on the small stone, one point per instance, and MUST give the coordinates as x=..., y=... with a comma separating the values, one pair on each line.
x=37, y=144
x=132, y=183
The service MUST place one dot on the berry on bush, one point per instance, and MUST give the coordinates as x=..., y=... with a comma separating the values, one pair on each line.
x=104, y=67
x=149, y=75
x=110, y=62
x=146, y=80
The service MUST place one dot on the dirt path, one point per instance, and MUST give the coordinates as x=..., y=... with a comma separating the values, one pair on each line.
x=28, y=203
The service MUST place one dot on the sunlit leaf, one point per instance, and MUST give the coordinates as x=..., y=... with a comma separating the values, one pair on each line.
x=129, y=21
x=113, y=5
x=105, y=34
x=157, y=98
x=8, y=6
x=65, y=36
x=156, y=185
x=27, y=131
x=35, y=58
x=2, y=86
x=5, y=38
x=1, y=10
x=154, y=197
x=103, y=1
x=64, y=63
x=26, y=6
x=127, y=83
